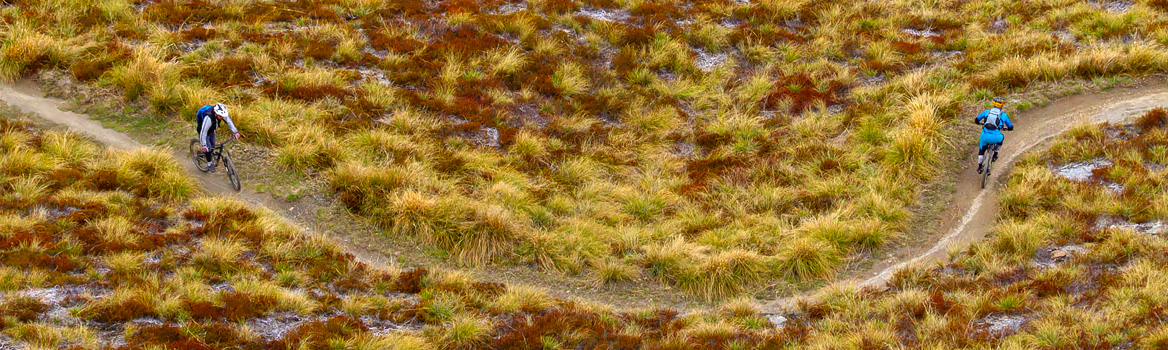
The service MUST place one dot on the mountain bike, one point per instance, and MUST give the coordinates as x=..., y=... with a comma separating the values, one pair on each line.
x=991, y=156
x=221, y=152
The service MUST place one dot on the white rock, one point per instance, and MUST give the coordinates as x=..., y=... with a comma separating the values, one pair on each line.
x=776, y=320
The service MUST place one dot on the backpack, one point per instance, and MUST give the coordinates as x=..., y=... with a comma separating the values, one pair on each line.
x=199, y=117
x=993, y=118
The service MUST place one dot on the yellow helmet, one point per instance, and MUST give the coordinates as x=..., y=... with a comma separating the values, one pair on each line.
x=999, y=102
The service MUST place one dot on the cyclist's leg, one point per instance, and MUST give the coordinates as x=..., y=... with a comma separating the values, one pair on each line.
x=982, y=145
x=995, y=139
x=1000, y=139
x=210, y=146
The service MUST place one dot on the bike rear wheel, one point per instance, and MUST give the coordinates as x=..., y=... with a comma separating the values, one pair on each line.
x=197, y=155
x=985, y=175
x=231, y=174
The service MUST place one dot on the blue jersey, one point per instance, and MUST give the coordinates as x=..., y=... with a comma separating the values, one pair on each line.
x=994, y=119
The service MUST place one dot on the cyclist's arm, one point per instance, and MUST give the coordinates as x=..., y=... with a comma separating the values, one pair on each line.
x=980, y=117
x=1006, y=122
x=204, y=130
x=231, y=125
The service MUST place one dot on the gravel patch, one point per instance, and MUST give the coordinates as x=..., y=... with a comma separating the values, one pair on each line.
x=707, y=61
x=1113, y=6
x=925, y=33
x=275, y=326
x=730, y=23
x=1081, y=171
x=945, y=55
x=7, y=343
x=1153, y=167
x=1053, y=256
x=509, y=9
x=684, y=149
x=1148, y=228
x=999, y=25
x=55, y=297
x=605, y=14
x=776, y=320
x=374, y=75
x=379, y=326
x=1001, y=325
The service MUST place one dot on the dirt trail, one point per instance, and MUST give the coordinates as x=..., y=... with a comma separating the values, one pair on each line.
x=25, y=96
x=972, y=212
x=967, y=219
x=28, y=97
x=374, y=250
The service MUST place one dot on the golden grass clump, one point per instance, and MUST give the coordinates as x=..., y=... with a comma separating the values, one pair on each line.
x=156, y=172
x=807, y=259
x=25, y=48
x=465, y=331
x=625, y=114
x=311, y=147
x=487, y=232
x=615, y=271
x=722, y=275
x=520, y=298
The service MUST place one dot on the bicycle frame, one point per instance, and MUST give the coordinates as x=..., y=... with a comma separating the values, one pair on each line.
x=220, y=154
x=217, y=152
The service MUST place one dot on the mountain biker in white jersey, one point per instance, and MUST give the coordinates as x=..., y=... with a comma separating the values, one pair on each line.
x=207, y=120
x=994, y=121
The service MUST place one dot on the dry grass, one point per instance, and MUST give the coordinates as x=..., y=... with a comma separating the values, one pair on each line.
x=606, y=115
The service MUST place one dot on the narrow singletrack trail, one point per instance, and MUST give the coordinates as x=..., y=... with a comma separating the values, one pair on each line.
x=968, y=217
x=26, y=96
x=971, y=213
x=378, y=251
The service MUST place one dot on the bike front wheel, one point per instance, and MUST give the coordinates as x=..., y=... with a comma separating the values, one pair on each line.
x=231, y=174
x=197, y=155
x=991, y=156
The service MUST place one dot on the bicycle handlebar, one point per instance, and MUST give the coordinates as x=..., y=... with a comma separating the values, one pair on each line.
x=221, y=145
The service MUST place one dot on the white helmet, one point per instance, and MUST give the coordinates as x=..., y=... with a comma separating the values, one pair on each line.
x=220, y=110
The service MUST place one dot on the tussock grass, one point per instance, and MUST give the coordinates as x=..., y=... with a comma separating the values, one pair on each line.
x=1018, y=239
x=24, y=190
x=140, y=75
x=485, y=233
x=390, y=341
x=912, y=153
x=463, y=332
x=116, y=231
x=218, y=255
x=569, y=80
x=518, y=298
x=807, y=259
x=67, y=148
x=613, y=271
x=723, y=275
x=157, y=173
x=793, y=109
x=310, y=147
x=24, y=47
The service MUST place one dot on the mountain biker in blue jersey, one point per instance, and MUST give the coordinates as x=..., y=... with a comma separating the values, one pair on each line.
x=994, y=121
x=207, y=120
